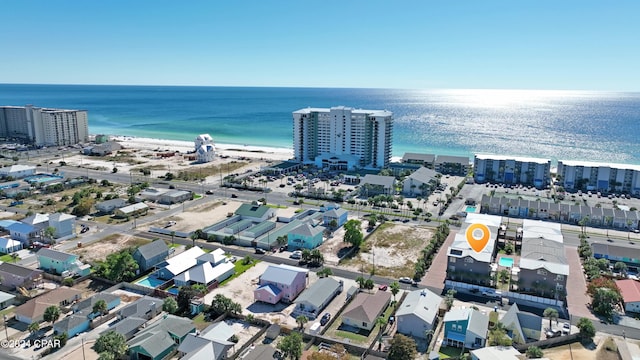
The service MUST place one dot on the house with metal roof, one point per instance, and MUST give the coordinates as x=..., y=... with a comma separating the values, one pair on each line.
x=8, y=245
x=496, y=353
x=175, y=197
x=212, y=343
x=465, y=327
x=22, y=232
x=255, y=212
x=126, y=327
x=83, y=314
x=146, y=307
x=280, y=283
x=180, y=263
x=161, y=338
x=522, y=327
x=630, y=291
x=64, y=225
x=13, y=276
x=418, y=313
x=543, y=266
x=205, y=274
x=137, y=209
x=363, y=311
x=149, y=255
x=109, y=206
x=17, y=171
x=6, y=300
x=337, y=214
x=33, y=310
x=259, y=352
x=215, y=257
x=420, y=183
x=314, y=299
x=305, y=236
x=58, y=262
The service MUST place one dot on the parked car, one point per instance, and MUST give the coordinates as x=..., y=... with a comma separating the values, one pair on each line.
x=260, y=251
x=566, y=328
x=553, y=333
x=325, y=319
x=383, y=287
x=492, y=293
x=296, y=255
x=407, y=280
x=234, y=196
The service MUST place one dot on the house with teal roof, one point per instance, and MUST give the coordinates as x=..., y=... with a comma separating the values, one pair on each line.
x=255, y=212
x=465, y=327
x=305, y=236
x=160, y=339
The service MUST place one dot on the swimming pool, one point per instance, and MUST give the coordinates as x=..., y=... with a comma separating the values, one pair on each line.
x=470, y=209
x=174, y=290
x=505, y=261
x=150, y=281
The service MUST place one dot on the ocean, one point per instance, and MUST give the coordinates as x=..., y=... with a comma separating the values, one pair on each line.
x=571, y=125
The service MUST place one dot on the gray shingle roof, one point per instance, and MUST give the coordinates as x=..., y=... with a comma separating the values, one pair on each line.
x=125, y=326
x=423, y=303
x=366, y=307
x=153, y=249
x=279, y=275
x=140, y=308
x=89, y=302
x=319, y=292
x=17, y=270
x=54, y=254
x=424, y=175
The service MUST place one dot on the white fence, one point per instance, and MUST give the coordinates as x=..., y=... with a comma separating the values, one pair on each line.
x=532, y=300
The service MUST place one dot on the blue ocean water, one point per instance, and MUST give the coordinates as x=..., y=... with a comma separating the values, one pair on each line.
x=576, y=125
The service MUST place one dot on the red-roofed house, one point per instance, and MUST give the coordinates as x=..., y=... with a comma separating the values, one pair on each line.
x=630, y=290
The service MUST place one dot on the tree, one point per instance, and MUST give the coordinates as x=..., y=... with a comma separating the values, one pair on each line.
x=185, y=295
x=282, y=240
x=51, y=314
x=352, y=234
x=106, y=356
x=373, y=219
x=229, y=240
x=333, y=224
x=395, y=289
x=223, y=305
x=498, y=336
x=450, y=297
x=120, y=266
x=170, y=305
x=604, y=301
x=100, y=307
x=33, y=328
x=620, y=267
x=291, y=346
x=324, y=272
x=114, y=170
x=587, y=330
x=369, y=284
x=301, y=320
x=84, y=207
x=550, y=313
x=402, y=348
x=360, y=281
x=534, y=352
x=247, y=260
x=111, y=342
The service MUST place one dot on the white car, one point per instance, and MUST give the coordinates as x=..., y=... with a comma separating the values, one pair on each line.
x=296, y=255
x=492, y=293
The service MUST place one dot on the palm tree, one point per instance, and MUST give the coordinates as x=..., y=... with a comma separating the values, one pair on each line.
x=51, y=314
x=361, y=281
x=395, y=288
x=173, y=234
x=100, y=307
x=551, y=313
x=301, y=320
x=33, y=328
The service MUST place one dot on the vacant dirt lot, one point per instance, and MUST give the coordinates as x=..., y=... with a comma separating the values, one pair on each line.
x=392, y=248
x=109, y=245
x=200, y=217
x=578, y=351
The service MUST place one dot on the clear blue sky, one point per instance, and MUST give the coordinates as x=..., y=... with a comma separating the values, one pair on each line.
x=573, y=45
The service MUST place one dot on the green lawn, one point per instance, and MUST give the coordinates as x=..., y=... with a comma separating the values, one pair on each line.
x=447, y=352
x=8, y=258
x=359, y=339
x=240, y=268
x=200, y=322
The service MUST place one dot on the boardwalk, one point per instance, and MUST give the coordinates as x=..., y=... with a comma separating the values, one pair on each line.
x=434, y=279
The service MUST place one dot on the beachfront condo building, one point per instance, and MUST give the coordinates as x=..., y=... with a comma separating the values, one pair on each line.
x=44, y=127
x=343, y=138
x=604, y=177
x=512, y=170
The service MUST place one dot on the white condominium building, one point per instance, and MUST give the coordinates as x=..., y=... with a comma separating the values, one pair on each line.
x=343, y=138
x=40, y=126
x=605, y=177
x=512, y=170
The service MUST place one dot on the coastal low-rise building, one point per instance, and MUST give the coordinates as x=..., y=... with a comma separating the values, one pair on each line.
x=109, y=206
x=314, y=299
x=61, y=263
x=630, y=291
x=452, y=165
x=149, y=255
x=372, y=185
x=594, y=176
x=137, y=209
x=512, y=170
x=33, y=310
x=280, y=283
x=421, y=182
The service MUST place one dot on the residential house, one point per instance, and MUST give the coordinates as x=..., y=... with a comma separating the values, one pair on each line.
x=33, y=310
x=615, y=252
x=496, y=353
x=464, y=263
x=83, y=314
x=126, y=327
x=109, y=206
x=137, y=209
x=17, y=171
x=6, y=300
x=205, y=274
x=305, y=236
x=452, y=165
x=259, y=352
x=522, y=327
x=160, y=339
x=630, y=291
x=23, y=232
x=14, y=276
x=337, y=214
x=215, y=257
x=152, y=194
x=314, y=299
x=280, y=283
x=255, y=212
x=175, y=197
x=426, y=160
x=39, y=221
x=58, y=262
x=421, y=182
x=210, y=344
x=372, y=185
x=418, y=313
x=176, y=265
x=146, y=308
x=64, y=224
x=363, y=311
x=465, y=327
x=149, y=255
x=8, y=245
x=543, y=267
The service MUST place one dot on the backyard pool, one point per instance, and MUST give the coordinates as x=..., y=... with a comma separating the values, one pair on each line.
x=150, y=281
x=470, y=209
x=505, y=261
x=174, y=290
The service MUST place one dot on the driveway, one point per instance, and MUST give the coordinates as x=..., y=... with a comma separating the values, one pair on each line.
x=577, y=298
x=434, y=279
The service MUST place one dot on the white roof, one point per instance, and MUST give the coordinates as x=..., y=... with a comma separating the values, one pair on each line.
x=555, y=268
x=489, y=220
x=133, y=207
x=17, y=168
x=598, y=164
x=496, y=353
x=310, y=110
x=204, y=273
x=542, y=229
x=457, y=314
x=514, y=158
x=7, y=242
x=461, y=248
x=184, y=261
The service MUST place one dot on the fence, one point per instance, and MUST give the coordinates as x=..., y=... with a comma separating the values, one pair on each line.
x=549, y=343
x=532, y=300
x=180, y=234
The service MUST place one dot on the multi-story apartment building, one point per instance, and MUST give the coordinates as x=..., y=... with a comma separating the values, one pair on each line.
x=512, y=170
x=44, y=127
x=605, y=177
x=343, y=138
